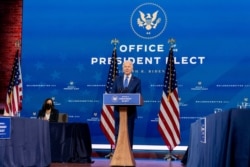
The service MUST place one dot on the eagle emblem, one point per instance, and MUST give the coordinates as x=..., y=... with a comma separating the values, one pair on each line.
x=148, y=20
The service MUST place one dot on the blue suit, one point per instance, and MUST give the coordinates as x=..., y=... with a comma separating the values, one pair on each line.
x=134, y=86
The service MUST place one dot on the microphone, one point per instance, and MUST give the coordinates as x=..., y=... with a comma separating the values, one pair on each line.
x=123, y=90
x=120, y=90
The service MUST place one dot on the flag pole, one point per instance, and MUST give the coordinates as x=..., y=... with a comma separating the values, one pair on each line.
x=112, y=146
x=172, y=111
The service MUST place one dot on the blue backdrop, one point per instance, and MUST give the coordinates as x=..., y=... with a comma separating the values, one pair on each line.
x=66, y=46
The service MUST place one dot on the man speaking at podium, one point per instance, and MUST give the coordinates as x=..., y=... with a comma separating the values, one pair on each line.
x=127, y=83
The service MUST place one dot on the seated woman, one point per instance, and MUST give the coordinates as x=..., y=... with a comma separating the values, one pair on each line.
x=48, y=111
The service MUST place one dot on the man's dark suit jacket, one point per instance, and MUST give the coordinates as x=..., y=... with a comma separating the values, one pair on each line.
x=134, y=86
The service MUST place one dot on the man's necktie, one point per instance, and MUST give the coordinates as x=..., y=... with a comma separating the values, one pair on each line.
x=126, y=82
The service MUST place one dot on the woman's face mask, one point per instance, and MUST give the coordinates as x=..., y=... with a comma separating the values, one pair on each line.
x=48, y=106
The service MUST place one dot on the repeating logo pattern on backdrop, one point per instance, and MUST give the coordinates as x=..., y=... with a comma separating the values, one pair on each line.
x=148, y=21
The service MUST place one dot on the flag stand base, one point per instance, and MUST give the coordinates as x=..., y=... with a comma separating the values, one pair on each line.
x=109, y=156
x=170, y=156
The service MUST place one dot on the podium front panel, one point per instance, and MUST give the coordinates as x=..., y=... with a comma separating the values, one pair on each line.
x=122, y=99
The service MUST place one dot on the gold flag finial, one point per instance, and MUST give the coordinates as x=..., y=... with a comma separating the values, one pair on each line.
x=171, y=41
x=114, y=41
x=17, y=43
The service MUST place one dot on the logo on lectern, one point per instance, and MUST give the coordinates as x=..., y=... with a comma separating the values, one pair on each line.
x=114, y=98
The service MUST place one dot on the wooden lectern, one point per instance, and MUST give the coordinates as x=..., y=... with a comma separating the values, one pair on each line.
x=123, y=155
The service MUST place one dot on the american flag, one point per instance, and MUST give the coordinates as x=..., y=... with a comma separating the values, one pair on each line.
x=169, y=115
x=15, y=89
x=107, y=114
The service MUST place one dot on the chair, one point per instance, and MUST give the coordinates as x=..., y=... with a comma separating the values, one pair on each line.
x=63, y=117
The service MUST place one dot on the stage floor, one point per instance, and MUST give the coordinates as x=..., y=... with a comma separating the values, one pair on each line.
x=102, y=162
